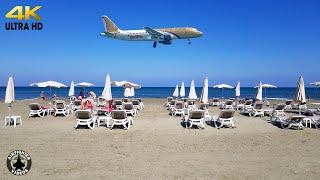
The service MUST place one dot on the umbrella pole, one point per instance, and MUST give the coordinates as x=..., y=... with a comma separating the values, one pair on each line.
x=237, y=102
x=222, y=93
x=50, y=100
x=9, y=108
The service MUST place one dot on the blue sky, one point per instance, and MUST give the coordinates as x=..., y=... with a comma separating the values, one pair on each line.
x=275, y=41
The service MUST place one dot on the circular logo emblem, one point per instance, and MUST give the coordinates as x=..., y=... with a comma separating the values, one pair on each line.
x=19, y=162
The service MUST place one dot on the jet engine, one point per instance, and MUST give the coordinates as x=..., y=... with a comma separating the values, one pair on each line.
x=167, y=39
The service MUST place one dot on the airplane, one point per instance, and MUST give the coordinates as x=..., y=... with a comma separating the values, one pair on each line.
x=162, y=35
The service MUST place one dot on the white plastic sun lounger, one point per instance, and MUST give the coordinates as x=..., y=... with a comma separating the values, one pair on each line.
x=195, y=118
x=225, y=119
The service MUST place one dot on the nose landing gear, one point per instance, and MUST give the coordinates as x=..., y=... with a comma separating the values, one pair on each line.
x=155, y=44
x=189, y=41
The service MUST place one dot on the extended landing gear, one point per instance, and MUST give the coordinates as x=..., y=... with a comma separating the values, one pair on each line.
x=155, y=44
x=189, y=41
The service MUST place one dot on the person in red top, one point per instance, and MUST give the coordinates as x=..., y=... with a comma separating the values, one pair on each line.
x=86, y=104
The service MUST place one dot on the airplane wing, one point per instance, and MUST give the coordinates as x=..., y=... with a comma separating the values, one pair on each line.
x=152, y=32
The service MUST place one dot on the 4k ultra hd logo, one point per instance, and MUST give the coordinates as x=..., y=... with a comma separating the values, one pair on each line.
x=24, y=13
x=19, y=162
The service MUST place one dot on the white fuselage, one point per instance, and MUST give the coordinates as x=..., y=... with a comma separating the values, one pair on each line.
x=133, y=35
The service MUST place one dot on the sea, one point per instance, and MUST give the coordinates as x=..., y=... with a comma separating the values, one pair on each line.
x=24, y=93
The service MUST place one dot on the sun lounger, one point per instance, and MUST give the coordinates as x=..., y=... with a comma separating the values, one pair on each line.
x=72, y=99
x=36, y=109
x=136, y=104
x=191, y=104
x=83, y=117
x=256, y=110
x=299, y=106
x=76, y=105
x=172, y=104
x=278, y=110
x=125, y=100
x=228, y=104
x=61, y=108
x=225, y=119
x=247, y=104
x=119, y=117
x=286, y=122
x=141, y=103
x=101, y=102
x=203, y=106
x=167, y=103
x=288, y=105
x=315, y=120
x=195, y=118
x=129, y=109
x=215, y=102
x=178, y=109
x=118, y=104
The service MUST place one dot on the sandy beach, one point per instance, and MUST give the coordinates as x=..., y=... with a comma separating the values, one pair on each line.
x=158, y=147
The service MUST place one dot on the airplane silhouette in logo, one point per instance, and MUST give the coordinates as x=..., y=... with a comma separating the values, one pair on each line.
x=19, y=164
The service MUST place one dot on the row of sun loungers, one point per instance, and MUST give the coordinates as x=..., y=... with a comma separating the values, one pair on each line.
x=199, y=116
x=193, y=116
x=118, y=117
x=120, y=113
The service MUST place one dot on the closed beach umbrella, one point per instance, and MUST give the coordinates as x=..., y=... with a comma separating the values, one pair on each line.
x=106, y=93
x=300, y=92
x=9, y=94
x=259, y=92
x=237, y=93
x=223, y=86
x=238, y=89
x=9, y=91
x=205, y=91
x=71, y=90
x=84, y=84
x=182, y=90
x=192, y=92
x=176, y=91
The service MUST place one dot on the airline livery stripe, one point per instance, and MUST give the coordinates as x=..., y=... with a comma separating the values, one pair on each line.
x=174, y=34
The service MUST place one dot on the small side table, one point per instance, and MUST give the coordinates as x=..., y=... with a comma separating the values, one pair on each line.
x=106, y=120
x=15, y=120
x=267, y=112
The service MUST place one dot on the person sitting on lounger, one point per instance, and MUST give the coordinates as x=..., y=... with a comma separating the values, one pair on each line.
x=42, y=96
x=55, y=96
x=92, y=94
x=81, y=95
x=86, y=104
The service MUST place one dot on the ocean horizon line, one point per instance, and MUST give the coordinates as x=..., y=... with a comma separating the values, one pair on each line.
x=163, y=87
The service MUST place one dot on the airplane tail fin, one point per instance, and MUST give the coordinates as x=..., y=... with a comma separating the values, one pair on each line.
x=109, y=26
